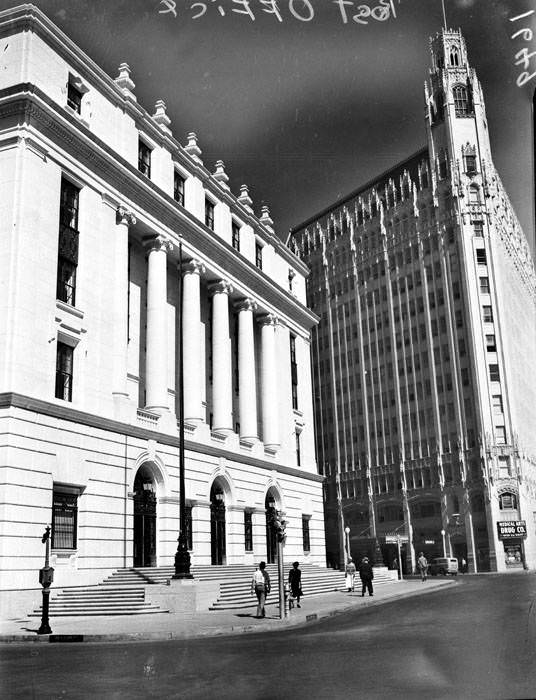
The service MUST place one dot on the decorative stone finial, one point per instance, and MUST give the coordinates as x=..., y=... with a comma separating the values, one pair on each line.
x=160, y=116
x=265, y=218
x=124, y=81
x=244, y=198
x=220, y=175
x=192, y=148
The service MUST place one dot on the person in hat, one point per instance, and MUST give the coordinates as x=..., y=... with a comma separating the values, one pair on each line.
x=366, y=574
x=294, y=582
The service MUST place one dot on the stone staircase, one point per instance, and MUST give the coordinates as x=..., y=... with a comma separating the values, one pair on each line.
x=123, y=592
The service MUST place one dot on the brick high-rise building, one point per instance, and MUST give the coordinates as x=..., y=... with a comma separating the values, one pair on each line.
x=425, y=385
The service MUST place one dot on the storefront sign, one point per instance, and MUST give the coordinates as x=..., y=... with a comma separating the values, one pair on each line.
x=508, y=529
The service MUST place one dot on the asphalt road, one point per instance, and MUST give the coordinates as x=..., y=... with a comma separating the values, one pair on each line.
x=476, y=639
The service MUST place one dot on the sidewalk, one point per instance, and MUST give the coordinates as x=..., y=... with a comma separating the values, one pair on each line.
x=183, y=626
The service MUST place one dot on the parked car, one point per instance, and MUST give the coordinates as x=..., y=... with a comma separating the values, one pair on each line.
x=444, y=566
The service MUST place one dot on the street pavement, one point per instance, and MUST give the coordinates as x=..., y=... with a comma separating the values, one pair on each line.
x=165, y=626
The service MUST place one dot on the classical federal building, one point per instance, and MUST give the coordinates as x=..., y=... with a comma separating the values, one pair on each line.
x=425, y=397
x=101, y=211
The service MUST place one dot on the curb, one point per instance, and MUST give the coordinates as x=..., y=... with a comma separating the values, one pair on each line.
x=268, y=626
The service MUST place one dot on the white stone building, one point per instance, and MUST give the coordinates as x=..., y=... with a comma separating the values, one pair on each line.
x=425, y=383
x=96, y=198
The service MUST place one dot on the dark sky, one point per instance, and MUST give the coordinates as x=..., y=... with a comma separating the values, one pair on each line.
x=305, y=112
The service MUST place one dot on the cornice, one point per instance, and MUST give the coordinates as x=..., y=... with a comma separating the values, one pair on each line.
x=28, y=105
x=61, y=412
x=30, y=18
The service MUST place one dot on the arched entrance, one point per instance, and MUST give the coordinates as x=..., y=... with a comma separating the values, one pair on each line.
x=217, y=524
x=144, y=519
x=271, y=540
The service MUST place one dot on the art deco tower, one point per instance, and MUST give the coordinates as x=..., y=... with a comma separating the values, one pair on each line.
x=425, y=393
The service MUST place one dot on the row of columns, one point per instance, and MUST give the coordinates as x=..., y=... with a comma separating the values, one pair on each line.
x=193, y=359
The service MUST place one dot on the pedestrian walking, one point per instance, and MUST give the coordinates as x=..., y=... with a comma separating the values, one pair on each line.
x=463, y=565
x=350, y=575
x=422, y=566
x=294, y=582
x=366, y=574
x=260, y=585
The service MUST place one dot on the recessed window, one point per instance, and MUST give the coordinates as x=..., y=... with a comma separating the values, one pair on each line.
x=494, y=375
x=484, y=285
x=478, y=228
x=481, y=258
x=470, y=164
x=508, y=501
x=306, y=534
x=497, y=403
x=144, y=158
x=298, y=449
x=443, y=165
x=462, y=102
x=67, y=243
x=248, y=531
x=74, y=98
x=487, y=314
x=235, y=236
x=64, y=372
x=178, y=188
x=258, y=255
x=474, y=194
x=209, y=214
x=491, y=344
x=64, y=519
x=294, y=372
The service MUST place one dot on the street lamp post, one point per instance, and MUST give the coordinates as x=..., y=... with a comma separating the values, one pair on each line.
x=182, y=556
x=348, y=553
x=278, y=525
x=444, y=545
x=46, y=576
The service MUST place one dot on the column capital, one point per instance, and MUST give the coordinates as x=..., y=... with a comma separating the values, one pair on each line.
x=269, y=320
x=157, y=243
x=246, y=304
x=124, y=216
x=221, y=287
x=195, y=267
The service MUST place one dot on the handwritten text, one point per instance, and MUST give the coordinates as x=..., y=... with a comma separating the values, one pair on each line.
x=523, y=57
x=301, y=10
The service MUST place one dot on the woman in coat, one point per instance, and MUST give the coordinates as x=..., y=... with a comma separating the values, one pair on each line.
x=294, y=581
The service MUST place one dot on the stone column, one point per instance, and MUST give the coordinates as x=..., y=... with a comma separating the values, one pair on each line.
x=247, y=391
x=156, y=398
x=270, y=432
x=222, y=397
x=194, y=365
x=124, y=219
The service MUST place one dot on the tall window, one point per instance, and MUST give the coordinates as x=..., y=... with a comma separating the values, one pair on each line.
x=209, y=214
x=443, y=165
x=298, y=449
x=258, y=255
x=236, y=236
x=470, y=163
x=500, y=435
x=497, y=403
x=74, y=98
x=67, y=243
x=491, y=343
x=248, y=531
x=478, y=228
x=294, y=372
x=144, y=158
x=494, y=375
x=462, y=103
x=64, y=372
x=178, y=188
x=474, y=194
x=305, y=533
x=64, y=517
x=484, y=285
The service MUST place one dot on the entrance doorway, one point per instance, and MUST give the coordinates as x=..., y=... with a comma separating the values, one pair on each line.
x=217, y=525
x=271, y=540
x=144, y=519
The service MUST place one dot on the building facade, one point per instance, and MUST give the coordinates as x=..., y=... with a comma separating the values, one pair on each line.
x=101, y=212
x=425, y=389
